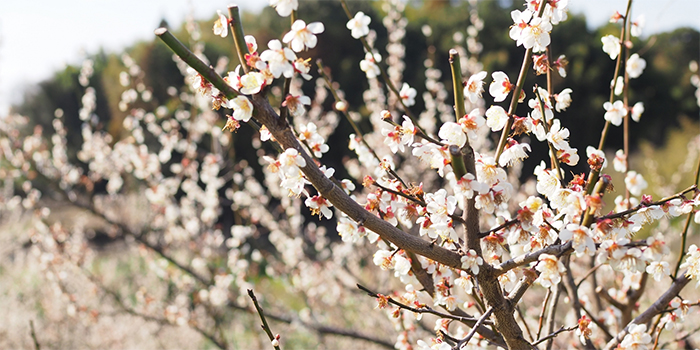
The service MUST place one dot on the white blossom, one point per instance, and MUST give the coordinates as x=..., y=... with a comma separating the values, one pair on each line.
x=635, y=183
x=475, y=86
x=359, y=25
x=611, y=46
x=496, y=118
x=302, y=36
x=452, y=133
x=614, y=112
x=284, y=7
x=221, y=25
x=279, y=59
x=635, y=66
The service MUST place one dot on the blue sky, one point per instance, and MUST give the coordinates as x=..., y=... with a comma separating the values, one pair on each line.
x=38, y=37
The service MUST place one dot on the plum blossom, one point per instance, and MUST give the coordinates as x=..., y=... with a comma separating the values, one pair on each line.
x=471, y=261
x=637, y=26
x=557, y=136
x=313, y=139
x=291, y=161
x=636, y=339
x=279, y=59
x=488, y=172
x=547, y=180
x=692, y=263
x=284, y=7
x=658, y=269
x=400, y=135
x=295, y=104
x=369, y=65
x=252, y=83
x=568, y=156
x=596, y=157
x=440, y=206
x=620, y=161
x=550, y=270
x=555, y=11
x=540, y=64
x=221, y=25
x=637, y=111
x=581, y=238
x=520, y=22
x=563, y=100
x=302, y=36
x=614, y=112
x=500, y=86
x=319, y=206
x=628, y=259
x=465, y=187
x=242, y=108
x=560, y=64
x=535, y=105
x=359, y=25
x=288, y=168
x=635, y=183
x=348, y=229
x=408, y=95
x=536, y=35
x=251, y=43
x=471, y=122
x=475, y=86
x=611, y=46
x=513, y=153
x=635, y=66
x=452, y=133
x=496, y=118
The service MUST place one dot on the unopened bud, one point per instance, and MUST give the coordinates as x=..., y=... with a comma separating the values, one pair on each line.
x=386, y=115
x=341, y=106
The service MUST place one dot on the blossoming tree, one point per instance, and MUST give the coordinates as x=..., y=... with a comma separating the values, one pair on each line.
x=440, y=203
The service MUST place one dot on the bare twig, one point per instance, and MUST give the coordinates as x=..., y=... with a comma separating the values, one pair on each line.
x=554, y=334
x=423, y=309
x=264, y=325
x=32, y=332
x=657, y=307
x=471, y=333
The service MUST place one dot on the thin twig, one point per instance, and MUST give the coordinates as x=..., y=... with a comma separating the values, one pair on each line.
x=551, y=314
x=540, y=320
x=264, y=325
x=424, y=309
x=471, y=333
x=595, y=173
x=499, y=227
x=32, y=332
x=551, y=336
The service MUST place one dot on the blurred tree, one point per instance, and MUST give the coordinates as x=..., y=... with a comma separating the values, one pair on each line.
x=667, y=92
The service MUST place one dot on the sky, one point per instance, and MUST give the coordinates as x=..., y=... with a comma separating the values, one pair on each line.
x=39, y=37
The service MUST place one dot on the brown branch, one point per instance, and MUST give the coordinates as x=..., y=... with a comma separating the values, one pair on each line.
x=657, y=307
x=32, y=333
x=600, y=325
x=555, y=249
x=573, y=294
x=264, y=325
x=551, y=314
x=499, y=227
x=279, y=128
x=554, y=334
x=424, y=309
x=471, y=333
